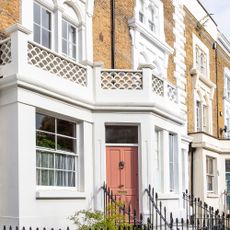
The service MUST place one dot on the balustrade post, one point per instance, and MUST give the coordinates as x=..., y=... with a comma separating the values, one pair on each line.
x=147, y=79
x=19, y=43
x=97, y=67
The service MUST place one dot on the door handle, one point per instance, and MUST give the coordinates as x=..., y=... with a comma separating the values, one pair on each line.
x=121, y=164
x=121, y=186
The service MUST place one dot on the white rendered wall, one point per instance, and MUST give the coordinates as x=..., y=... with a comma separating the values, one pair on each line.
x=9, y=185
x=147, y=164
x=25, y=203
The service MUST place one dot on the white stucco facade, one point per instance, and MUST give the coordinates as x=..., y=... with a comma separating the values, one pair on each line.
x=31, y=83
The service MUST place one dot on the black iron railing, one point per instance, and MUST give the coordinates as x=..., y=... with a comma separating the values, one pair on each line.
x=119, y=209
x=199, y=216
x=157, y=213
x=203, y=216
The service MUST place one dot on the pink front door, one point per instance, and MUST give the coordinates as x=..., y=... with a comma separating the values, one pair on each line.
x=122, y=174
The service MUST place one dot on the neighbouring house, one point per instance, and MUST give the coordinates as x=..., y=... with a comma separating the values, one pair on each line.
x=207, y=67
x=109, y=91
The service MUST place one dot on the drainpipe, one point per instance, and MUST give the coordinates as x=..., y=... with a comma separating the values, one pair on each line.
x=192, y=150
x=113, y=34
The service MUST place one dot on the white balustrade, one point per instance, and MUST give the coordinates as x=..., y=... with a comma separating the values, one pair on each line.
x=121, y=79
x=56, y=64
x=5, y=51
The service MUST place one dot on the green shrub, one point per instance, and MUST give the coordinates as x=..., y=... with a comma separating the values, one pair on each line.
x=88, y=219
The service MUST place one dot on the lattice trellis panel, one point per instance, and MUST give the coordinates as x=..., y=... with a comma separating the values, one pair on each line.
x=54, y=64
x=158, y=86
x=121, y=80
x=5, y=52
x=172, y=94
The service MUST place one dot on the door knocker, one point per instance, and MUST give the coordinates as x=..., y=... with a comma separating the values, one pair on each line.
x=121, y=164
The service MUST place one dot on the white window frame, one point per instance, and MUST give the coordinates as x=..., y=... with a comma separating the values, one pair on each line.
x=209, y=174
x=173, y=172
x=202, y=115
x=67, y=40
x=201, y=61
x=198, y=116
x=200, y=48
x=141, y=11
x=41, y=27
x=151, y=19
x=55, y=151
x=205, y=118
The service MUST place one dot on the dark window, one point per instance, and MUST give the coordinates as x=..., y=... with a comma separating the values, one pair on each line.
x=122, y=134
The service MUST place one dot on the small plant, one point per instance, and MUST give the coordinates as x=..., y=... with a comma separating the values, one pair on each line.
x=88, y=219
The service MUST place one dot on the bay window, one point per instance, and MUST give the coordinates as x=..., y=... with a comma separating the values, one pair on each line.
x=56, y=151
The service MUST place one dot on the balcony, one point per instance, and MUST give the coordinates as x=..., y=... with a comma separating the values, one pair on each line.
x=37, y=66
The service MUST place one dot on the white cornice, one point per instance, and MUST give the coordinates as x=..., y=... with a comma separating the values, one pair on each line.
x=21, y=81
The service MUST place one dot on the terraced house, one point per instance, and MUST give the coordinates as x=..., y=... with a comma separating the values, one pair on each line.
x=127, y=93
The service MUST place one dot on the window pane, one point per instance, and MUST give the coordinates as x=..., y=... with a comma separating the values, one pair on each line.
x=45, y=123
x=227, y=165
x=46, y=22
x=45, y=140
x=70, y=163
x=210, y=166
x=72, y=34
x=64, y=29
x=37, y=33
x=37, y=14
x=72, y=50
x=38, y=176
x=71, y=179
x=38, y=159
x=122, y=134
x=60, y=162
x=51, y=177
x=64, y=46
x=171, y=175
x=46, y=35
x=66, y=144
x=44, y=177
x=66, y=128
x=210, y=183
x=60, y=178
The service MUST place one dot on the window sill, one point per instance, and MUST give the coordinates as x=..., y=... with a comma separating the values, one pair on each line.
x=212, y=195
x=60, y=194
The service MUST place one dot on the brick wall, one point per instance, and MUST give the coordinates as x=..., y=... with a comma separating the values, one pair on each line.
x=102, y=32
x=169, y=36
x=9, y=14
x=223, y=60
x=217, y=105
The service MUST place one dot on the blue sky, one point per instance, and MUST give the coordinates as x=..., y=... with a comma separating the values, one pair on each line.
x=221, y=11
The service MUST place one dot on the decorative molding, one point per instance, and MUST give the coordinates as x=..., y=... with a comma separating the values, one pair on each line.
x=137, y=26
